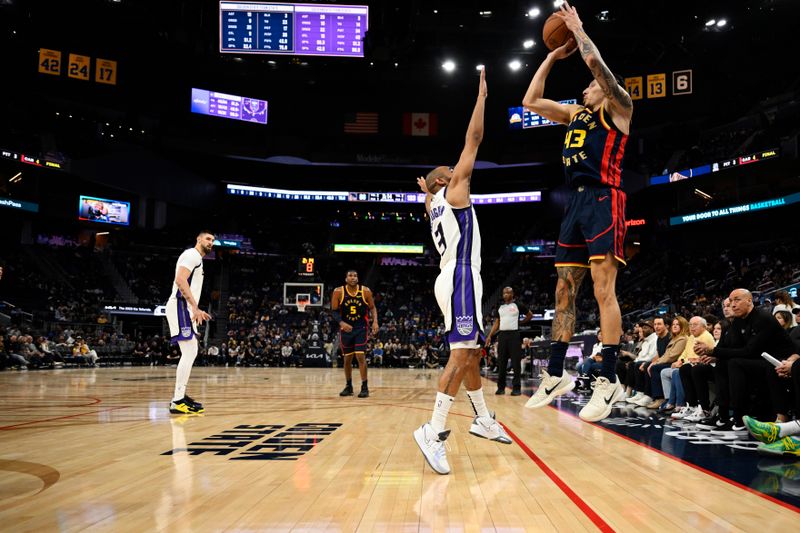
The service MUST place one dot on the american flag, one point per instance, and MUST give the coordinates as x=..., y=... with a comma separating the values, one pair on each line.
x=361, y=123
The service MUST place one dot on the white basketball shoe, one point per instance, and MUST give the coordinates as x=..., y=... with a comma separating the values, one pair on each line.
x=487, y=427
x=549, y=388
x=603, y=398
x=432, y=446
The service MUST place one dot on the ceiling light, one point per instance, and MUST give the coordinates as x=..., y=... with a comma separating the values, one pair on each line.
x=486, y=14
x=704, y=195
x=515, y=65
x=15, y=178
x=721, y=23
x=449, y=65
x=711, y=22
x=534, y=12
x=529, y=43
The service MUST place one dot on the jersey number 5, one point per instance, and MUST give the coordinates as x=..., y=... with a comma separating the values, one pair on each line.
x=440, y=244
x=353, y=310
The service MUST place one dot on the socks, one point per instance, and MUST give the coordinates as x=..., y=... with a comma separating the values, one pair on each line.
x=440, y=409
x=608, y=369
x=558, y=351
x=478, y=403
x=188, y=354
x=364, y=385
x=350, y=383
x=789, y=428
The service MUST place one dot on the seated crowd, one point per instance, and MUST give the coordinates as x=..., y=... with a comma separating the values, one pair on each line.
x=673, y=365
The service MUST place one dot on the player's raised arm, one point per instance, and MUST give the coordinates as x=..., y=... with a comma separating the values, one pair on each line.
x=620, y=100
x=458, y=189
x=534, y=100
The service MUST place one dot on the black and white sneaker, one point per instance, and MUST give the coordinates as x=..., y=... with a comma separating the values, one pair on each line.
x=711, y=423
x=729, y=429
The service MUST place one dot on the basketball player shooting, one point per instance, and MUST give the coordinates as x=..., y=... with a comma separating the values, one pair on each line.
x=351, y=305
x=184, y=315
x=593, y=229
x=458, y=291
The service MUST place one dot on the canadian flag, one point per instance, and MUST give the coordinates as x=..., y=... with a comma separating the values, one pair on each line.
x=420, y=124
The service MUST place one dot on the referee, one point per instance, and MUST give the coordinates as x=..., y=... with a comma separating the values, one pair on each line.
x=509, y=344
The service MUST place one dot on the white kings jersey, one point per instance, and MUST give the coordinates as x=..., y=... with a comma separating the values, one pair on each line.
x=455, y=232
x=192, y=261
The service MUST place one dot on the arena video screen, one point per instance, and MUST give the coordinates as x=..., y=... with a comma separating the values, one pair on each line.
x=223, y=105
x=103, y=210
x=520, y=118
x=292, y=29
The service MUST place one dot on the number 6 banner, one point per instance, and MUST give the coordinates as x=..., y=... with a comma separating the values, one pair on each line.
x=681, y=82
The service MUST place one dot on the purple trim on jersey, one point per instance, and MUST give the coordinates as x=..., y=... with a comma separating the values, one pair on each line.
x=464, y=326
x=185, y=329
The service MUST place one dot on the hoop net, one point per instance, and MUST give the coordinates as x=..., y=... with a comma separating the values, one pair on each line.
x=302, y=300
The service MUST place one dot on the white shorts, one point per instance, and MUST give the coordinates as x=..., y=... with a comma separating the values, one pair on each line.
x=179, y=318
x=459, y=291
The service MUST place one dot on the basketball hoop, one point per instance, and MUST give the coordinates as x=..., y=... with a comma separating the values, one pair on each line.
x=301, y=301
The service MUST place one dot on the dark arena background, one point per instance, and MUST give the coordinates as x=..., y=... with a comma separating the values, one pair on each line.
x=295, y=134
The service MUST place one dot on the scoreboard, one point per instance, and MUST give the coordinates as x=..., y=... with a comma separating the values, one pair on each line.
x=306, y=267
x=292, y=29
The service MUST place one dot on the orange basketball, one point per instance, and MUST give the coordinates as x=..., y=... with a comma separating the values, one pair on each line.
x=555, y=32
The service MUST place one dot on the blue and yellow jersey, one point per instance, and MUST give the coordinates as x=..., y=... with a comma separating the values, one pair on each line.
x=353, y=307
x=593, y=150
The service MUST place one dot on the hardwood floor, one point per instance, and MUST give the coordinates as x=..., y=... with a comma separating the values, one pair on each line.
x=279, y=450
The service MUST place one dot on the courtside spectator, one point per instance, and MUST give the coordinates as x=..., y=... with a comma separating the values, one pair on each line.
x=679, y=332
x=783, y=302
x=739, y=364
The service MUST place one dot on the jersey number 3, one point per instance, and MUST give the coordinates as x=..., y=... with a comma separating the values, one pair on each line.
x=440, y=244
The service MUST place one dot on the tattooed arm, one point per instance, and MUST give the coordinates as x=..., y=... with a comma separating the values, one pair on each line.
x=620, y=100
x=569, y=281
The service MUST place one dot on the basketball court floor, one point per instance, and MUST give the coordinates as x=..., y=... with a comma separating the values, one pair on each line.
x=279, y=450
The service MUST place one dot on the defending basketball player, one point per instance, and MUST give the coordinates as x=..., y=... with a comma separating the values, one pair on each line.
x=458, y=291
x=352, y=305
x=593, y=229
x=184, y=315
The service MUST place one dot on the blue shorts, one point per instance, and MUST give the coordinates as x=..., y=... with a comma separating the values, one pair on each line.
x=353, y=341
x=593, y=226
